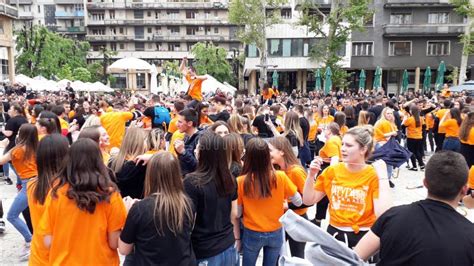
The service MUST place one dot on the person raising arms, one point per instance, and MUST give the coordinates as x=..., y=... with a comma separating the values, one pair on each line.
x=356, y=195
x=195, y=82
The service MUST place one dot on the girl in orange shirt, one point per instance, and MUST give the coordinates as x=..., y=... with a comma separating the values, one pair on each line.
x=414, y=136
x=22, y=157
x=283, y=157
x=262, y=192
x=356, y=195
x=324, y=118
x=83, y=198
x=466, y=135
x=202, y=109
x=340, y=119
x=99, y=135
x=451, y=122
x=50, y=158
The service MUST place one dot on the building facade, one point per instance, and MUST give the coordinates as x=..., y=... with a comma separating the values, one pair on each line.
x=7, y=67
x=402, y=35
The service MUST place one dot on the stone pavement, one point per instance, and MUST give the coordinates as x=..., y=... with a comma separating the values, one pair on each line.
x=11, y=241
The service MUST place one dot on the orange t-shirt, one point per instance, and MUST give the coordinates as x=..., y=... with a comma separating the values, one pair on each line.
x=440, y=115
x=114, y=124
x=413, y=132
x=324, y=121
x=344, y=130
x=173, y=127
x=297, y=175
x=146, y=122
x=313, y=130
x=429, y=119
x=195, y=88
x=24, y=168
x=351, y=195
x=39, y=253
x=262, y=214
x=81, y=238
x=331, y=148
x=268, y=95
x=470, y=182
x=381, y=128
x=451, y=127
x=205, y=121
x=470, y=138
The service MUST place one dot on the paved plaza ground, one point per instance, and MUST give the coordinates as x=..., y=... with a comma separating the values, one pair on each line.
x=11, y=241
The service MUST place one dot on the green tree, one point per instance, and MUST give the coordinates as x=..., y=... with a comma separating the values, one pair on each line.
x=107, y=54
x=253, y=17
x=465, y=8
x=345, y=17
x=212, y=60
x=82, y=74
x=42, y=52
x=65, y=73
x=172, y=68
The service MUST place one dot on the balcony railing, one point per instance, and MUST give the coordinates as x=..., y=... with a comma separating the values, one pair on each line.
x=109, y=38
x=67, y=2
x=63, y=14
x=423, y=30
x=167, y=21
x=8, y=10
x=21, y=2
x=25, y=15
x=415, y=3
x=167, y=5
x=197, y=37
x=72, y=30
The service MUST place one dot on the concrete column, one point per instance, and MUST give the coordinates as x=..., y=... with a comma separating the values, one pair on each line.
x=304, y=77
x=299, y=80
x=252, y=86
x=11, y=65
x=417, y=79
x=147, y=85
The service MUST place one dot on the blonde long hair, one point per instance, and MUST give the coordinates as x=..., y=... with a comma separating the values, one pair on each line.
x=283, y=144
x=292, y=125
x=133, y=144
x=172, y=206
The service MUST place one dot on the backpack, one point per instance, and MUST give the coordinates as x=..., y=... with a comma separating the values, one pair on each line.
x=162, y=115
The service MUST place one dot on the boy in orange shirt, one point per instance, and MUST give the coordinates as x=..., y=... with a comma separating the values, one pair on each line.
x=195, y=82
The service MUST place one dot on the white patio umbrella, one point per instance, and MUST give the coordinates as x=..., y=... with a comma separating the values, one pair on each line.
x=101, y=87
x=153, y=81
x=127, y=64
x=211, y=85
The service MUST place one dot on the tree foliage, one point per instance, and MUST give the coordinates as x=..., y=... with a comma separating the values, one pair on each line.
x=464, y=8
x=45, y=53
x=212, y=60
x=335, y=28
x=82, y=74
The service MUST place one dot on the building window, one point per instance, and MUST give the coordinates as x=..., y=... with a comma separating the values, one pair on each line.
x=173, y=47
x=362, y=49
x=26, y=8
x=297, y=47
x=400, y=18
x=157, y=14
x=97, y=16
x=112, y=14
x=98, y=31
x=122, y=46
x=216, y=30
x=190, y=46
x=216, y=14
x=286, y=47
x=174, y=30
x=121, y=30
x=158, y=46
x=252, y=50
x=437, y=48
x=191, y=30
x=139, y=46
x=138, y=14
x=207, y=14
x=113, y=46
x=399, y=49
x=172, y=14
x=148, y=14
x=190, y=14
x=150, y=46
x=39, y=9
x=149, y=30
x=286, y=13
x=275, y=47
x=438, y=18
x=369, y=22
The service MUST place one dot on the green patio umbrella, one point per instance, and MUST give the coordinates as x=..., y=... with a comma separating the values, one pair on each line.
x=440, y=76
x=317, y=78
x=327, y=80
x=378, y=78
x=427, y=80
x=275, y=79
x=362, y=79
x=405, y=81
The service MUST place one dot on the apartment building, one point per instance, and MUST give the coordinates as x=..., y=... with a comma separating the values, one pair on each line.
x=157, y=30
x=402, y=35
x=63, y=16
x=7, y=65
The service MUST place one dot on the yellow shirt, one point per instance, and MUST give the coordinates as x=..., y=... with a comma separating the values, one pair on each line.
x=114, y=124
x=381, y=128
x=176, y=135
x=413, y=132
x=331, y=148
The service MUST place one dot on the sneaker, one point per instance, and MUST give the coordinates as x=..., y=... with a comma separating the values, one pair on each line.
x=8, y=181
x=316, y=222
x=2, y=226
x=422, y=167
x=413, y=169
x=391, y=184
x=25, y=252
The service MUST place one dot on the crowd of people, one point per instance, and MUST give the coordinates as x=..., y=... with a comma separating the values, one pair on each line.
x=193, y=180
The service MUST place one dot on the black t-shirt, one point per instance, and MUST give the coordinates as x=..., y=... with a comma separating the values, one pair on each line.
x=376, y=110
x=14, y=124
x=131, y=179
x=263, y=130
x=213, y=230
x=150, y=112
x=351, y=122
x=304, y=124
x=426, y=232
x=222, y=116
x=151, y=248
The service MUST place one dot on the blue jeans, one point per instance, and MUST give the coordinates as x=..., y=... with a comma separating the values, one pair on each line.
x=253, y=242
x=452, y=144
x=230, y=257
x=20, y=203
